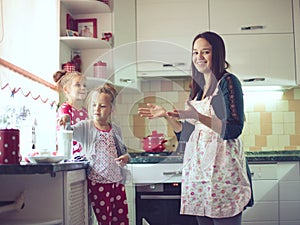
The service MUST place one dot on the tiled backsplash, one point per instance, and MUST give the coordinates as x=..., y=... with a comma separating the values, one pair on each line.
x=271, y=124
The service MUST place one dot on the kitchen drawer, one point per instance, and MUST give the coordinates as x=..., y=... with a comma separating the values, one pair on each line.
x=156, y=173
x=262, y=212
x=264, y=223
x=289, y=191
x=263, y=171
x=265, y=190
x=289, y=171
x=289, y=210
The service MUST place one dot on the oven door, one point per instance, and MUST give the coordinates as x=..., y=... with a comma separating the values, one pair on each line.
x=159, y=204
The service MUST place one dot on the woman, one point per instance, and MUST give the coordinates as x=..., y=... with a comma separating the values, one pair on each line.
x=215, y=186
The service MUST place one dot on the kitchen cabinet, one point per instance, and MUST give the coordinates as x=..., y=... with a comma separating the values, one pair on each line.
x=165, y=31
x=289, y=193
x=296, y=13
x=91, y=49
x=259, y=41
x=124, y=52
x=52, y=199
x=265, y=189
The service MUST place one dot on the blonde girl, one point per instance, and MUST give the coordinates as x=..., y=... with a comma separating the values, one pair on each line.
x=73, y=86
x=106, y=153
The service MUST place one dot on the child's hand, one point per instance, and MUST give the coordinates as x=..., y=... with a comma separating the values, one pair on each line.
x=63, y=120
x=122, y=160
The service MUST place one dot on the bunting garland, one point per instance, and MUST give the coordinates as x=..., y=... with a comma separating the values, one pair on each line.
x=32, y=77
x=16, y=90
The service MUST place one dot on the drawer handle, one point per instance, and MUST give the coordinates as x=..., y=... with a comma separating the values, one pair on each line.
x=126, y=80
x=254, y=79
x=173, y=64
x=176, y=173
x=252, y=27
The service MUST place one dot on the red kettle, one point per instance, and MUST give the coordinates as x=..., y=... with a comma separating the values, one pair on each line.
x=154, y=142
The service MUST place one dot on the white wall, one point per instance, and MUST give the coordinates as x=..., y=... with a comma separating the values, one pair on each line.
x=29, y=39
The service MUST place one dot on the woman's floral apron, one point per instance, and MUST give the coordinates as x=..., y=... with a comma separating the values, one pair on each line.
x=214, y=176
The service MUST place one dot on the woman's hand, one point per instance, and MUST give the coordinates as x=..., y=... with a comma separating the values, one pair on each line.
x=153, y=111
x=190, y=113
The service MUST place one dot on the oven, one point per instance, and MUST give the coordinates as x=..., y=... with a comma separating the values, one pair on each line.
x=159, y=204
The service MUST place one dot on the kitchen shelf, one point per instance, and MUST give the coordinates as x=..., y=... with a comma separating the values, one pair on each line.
x=85, y=43
x=86, y=6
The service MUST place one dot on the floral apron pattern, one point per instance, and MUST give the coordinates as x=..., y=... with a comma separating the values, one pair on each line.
x=215, y=182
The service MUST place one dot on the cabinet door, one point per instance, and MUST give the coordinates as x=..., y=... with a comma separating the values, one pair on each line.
x=124, y=53
x=75, y=197
x=296, y=14
x=165, y=31
x=265, y=191
x=255, y=16
x=267, y=56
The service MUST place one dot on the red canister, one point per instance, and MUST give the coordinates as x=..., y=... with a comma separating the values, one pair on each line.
x=9, y=146
x=69, y=67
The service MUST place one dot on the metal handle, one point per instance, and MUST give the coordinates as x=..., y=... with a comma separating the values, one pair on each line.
x=173, y=64
x=176, y=173
x=126, y=80
x=252, y=27
x=157, y=197
x=254, y=79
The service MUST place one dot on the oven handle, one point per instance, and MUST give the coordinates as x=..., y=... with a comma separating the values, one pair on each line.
x=157, y=197
x=176, y=173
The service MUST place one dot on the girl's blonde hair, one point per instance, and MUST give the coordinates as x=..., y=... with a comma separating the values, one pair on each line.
x=107, y=88
x=62, y=78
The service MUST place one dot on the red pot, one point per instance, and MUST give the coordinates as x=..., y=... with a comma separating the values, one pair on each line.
x=154, y=142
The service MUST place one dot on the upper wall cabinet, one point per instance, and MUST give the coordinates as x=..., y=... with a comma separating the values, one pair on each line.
x=124, y=52
x=296, y=14
x=249, y=17
x=259, y=39
x=165, y=31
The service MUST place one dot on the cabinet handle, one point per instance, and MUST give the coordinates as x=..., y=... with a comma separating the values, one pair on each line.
x=252, y=27
x=176, y=173
x=126, y=80
x=173, y=64
x=254, y=79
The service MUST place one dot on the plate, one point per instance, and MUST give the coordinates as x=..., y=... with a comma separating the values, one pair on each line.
x=46, y=159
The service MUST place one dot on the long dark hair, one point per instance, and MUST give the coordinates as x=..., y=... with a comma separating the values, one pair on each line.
x=219, y=64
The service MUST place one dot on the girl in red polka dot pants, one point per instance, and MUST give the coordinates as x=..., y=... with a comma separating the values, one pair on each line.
x=109, y=203
x=104, y=149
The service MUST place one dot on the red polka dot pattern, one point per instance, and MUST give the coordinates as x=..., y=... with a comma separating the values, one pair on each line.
x=9, y=146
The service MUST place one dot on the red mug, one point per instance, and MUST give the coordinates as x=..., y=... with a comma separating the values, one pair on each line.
x=9, y=146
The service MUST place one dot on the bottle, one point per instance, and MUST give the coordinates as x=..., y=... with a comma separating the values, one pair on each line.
x=65, y=143
x=33, y=134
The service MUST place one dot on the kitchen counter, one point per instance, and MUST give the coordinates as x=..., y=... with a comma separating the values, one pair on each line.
x=252, y=157
x=41, y=168
x=273, y=156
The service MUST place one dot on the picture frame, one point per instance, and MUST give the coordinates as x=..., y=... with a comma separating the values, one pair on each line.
x=70, y=22
x=87, y=27
x=72, y=33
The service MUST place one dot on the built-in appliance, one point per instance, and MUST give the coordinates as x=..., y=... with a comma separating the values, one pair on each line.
x=157, y=181
x=159, y=204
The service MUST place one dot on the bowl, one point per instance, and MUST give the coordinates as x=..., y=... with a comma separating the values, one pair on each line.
x=45, y=159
